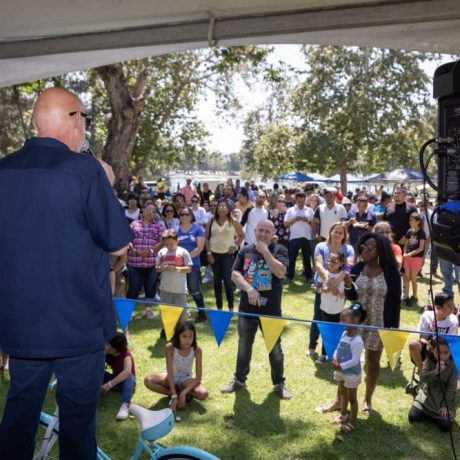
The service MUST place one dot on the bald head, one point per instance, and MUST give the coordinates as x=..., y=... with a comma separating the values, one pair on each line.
x=265, y=230
x=51, y=117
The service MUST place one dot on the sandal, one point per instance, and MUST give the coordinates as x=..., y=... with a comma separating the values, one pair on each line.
x=340, y=420
x=333, y=407
x=347, y=427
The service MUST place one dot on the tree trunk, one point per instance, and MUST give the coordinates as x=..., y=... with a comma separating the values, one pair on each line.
x=126, y=116
x=343, y=178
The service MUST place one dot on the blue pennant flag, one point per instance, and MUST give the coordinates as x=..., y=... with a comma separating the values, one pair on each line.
x=124, y=309
x=454, y=346
x=220, y=320
x=330, y=333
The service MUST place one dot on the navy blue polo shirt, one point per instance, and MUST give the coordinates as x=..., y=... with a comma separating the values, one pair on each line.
x=59, y=220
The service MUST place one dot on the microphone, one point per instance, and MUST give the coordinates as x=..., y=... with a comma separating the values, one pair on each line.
x=86, y=148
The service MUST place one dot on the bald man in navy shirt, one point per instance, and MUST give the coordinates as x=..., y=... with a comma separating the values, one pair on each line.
x=56, y=308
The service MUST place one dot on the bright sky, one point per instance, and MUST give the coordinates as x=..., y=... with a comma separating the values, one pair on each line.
x=227, y=136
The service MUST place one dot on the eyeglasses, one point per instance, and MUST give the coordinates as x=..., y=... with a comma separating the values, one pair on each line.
x=367, y=247
x=87, y=118
x=184, y=214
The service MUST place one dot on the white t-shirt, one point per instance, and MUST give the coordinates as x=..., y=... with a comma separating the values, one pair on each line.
x=201, y=217
x=300, y=229
x=446, y=326
x=328, y=217
x=254, y=217
x=134, y=216
x=330, y=303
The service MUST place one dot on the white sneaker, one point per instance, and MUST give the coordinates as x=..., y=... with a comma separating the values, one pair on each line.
x=123, y=412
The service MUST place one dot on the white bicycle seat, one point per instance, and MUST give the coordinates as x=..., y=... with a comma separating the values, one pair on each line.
x=154, y=423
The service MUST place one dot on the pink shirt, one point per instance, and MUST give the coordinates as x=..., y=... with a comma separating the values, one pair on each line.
x=146, y=236
x=189, y=192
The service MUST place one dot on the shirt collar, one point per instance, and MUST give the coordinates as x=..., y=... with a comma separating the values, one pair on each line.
x=45, y=142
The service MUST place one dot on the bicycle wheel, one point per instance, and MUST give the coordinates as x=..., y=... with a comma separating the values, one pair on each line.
x=185, y=453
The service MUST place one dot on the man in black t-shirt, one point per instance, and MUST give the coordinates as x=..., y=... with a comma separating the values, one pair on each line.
x=258, y=271
x=398, y=214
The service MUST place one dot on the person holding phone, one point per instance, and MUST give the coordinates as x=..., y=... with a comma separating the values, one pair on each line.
x=258, y=270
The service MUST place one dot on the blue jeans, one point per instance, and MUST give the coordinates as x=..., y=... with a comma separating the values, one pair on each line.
x=78, y=388
x=194, y=288
x=142, y=277
x=447, y=269
x=296, y=245
x=222, y=271
x=126, y=388
x=247, y=328
x=314, y=330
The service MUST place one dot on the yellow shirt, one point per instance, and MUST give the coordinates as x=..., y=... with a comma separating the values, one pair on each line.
x=222, y=237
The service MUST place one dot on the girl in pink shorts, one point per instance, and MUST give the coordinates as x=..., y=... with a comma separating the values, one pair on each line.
x=414, y=245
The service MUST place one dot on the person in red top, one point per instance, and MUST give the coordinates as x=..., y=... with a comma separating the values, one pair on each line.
x=338, y=194
x=123, y=376
x=188, y=190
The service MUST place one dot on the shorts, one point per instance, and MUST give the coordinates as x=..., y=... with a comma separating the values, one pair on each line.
x=348, y=382
x=413, y=263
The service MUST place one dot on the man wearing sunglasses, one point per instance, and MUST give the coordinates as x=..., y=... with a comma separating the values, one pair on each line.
x=56, y=310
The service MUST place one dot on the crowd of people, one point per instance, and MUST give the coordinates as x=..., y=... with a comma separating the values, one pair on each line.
x=368, y=248
x=245, y=237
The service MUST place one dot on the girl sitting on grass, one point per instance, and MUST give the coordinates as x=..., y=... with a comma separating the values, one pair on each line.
x=179, y=381
x=347, y=364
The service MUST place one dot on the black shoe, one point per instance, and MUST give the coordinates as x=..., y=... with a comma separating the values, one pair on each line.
x=201, y=319
x=162, y=334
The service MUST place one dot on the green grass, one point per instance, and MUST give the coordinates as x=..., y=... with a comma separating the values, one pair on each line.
x=254, y=424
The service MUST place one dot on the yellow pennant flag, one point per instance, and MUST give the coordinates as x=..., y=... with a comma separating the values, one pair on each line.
x=393, y=342
x=170, y=316
x=272, y=328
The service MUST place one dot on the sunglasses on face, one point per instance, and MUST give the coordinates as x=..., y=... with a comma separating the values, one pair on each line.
x=184, y=214
x=194, y=201
x=169, y=210
x=85, y=116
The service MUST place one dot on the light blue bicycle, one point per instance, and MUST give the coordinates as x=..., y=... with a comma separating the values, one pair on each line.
x=154, y=425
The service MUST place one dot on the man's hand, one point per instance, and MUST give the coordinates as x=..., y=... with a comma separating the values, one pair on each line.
x=253, y=296
x=262, y=247
x=108, y=170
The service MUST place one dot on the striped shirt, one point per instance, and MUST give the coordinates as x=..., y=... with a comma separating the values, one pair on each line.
x=146, y=236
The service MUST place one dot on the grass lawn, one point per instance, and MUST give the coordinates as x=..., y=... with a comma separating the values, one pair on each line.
x=254, y=424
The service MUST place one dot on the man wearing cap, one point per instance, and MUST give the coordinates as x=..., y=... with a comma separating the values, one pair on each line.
x=360, y=221
x=327, y=214
x=188, y=190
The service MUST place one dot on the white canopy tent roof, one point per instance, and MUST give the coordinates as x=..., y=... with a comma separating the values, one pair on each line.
x=51, y=37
